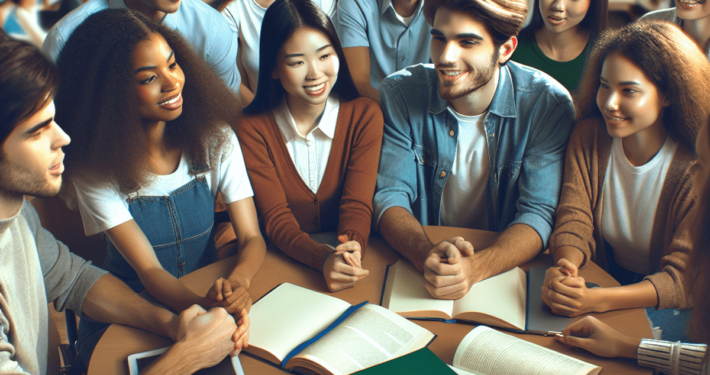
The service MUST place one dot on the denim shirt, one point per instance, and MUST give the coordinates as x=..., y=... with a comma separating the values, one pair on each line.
x=527, y=127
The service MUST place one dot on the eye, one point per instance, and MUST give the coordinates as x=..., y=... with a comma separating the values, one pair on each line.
x=325, y=56
x=173, y=65
x=147, y=81
x=469, y=42
x=630, y=91
x=602, y=85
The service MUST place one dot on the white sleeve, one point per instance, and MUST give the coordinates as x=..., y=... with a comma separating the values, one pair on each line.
x=101, y=207
x=233, y=179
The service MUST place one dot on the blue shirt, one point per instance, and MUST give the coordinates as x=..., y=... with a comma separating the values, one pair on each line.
x=527, y=127
x=205, y=29
x=374, y=24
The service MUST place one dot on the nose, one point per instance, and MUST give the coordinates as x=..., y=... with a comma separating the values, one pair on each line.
x=60, y=138
x=557, y=6
x=171, y=82
x=314, y=71
x=612, y=102
x=450, y=53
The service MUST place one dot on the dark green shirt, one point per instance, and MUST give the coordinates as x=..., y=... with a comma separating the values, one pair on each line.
x=567, y=73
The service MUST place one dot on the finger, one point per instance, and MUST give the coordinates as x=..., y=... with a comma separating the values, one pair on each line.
x=343, y=238
x=579, y=342
x=569, y=266
x=348, y=246
x=558, y=309
x=344, y=278
x=465, y=247
x=349, y=260
x=448, y=292
x=440, y=281
x=218, y=288
x=574, y=282
x=226, y=288
x=451, y=253
x=578, y=328
x=192, y=312
x=562, y=299
x=442, y=269
x=349, y=270
x=562, y=286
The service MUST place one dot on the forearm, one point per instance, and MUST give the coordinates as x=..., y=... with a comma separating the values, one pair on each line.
x=111, y=301
x=570, y=253
x=249, y=260
x=514, y=247
x=178, y=360
x=245, y=94
x=169, y=290
x=406, y=235
x=631, y=296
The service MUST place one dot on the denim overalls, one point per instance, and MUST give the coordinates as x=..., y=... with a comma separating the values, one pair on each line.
x=178, y=226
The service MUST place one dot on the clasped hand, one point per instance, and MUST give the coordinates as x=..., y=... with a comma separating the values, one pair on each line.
x=236, y=302
x=208, y=333
x=566, y=293
x=446, y=272
x=343, y=268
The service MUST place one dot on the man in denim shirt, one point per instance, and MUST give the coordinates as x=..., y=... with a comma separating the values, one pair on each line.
x=471, y=141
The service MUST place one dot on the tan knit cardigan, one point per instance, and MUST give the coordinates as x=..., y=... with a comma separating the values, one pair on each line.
x=579, y=213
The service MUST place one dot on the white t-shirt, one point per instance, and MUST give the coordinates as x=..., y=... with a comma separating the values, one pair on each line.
x=463, y=201
x=310, y=152
x=245, y=17
x=103, y=208
x=630, y=197
x=405, y=20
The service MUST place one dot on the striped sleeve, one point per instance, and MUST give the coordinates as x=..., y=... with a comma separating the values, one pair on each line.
x=671, y=357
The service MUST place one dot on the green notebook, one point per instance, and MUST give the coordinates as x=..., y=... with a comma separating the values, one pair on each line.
x=423, y=361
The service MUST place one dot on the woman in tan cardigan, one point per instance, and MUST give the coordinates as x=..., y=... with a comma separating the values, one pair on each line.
x=626, y=192
x=311, y=144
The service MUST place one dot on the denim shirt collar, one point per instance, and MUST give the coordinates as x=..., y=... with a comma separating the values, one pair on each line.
x=503, y=103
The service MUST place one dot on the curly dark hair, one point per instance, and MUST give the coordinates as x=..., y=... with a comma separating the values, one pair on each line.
x=670, y=59
x=96, y=101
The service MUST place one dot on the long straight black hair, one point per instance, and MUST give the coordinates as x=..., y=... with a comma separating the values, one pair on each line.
x=596, y=20
x=281, y=20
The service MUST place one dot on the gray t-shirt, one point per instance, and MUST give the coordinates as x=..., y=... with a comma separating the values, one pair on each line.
x=35, y=268
x=670, y=16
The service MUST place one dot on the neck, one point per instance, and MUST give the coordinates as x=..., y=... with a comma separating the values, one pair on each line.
x=478, y=101
x=155, y=134
x=405, y=8
x=699, y=30
x=10, y=204
x=642, y=146
x=564, y=46
x=141, y=7
x=305, y=115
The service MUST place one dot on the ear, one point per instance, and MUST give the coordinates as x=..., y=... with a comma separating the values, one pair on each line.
x=506, y=50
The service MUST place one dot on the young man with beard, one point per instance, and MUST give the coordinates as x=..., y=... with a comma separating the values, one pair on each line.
x=471, y=141
x=35, y=268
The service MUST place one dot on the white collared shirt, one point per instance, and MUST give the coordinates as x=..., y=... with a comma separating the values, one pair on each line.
x=310, y=152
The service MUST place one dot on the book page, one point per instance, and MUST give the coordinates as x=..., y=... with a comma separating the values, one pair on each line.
x=290, y=315
x=406, y=294
x=461, y=372
x=368, y=337
x=487, y=351
x=502, y=296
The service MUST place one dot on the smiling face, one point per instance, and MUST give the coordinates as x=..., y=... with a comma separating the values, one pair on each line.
x=158, y=80
x=463, y=53
x=629, y=101
x=692, y=9
x=307, y=67
x=31, y=159
x=563, y=15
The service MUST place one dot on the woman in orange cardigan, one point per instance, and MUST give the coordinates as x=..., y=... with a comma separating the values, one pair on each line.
x=311, y=144
x=626, y=192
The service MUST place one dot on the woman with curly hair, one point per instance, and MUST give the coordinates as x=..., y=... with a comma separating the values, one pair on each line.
x=311, y=144
x=626, y=192
x=152, y=149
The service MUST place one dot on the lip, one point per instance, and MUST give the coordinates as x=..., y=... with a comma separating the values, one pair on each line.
x=556, y=20
x=319, y=92
x=172, y=106
x=58, y=168
x=688, y=6
x=614, y=120
x=449, y=78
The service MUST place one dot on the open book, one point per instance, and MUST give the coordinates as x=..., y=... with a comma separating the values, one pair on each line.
x=313, y=333
x=485, y=351
x=502, y=300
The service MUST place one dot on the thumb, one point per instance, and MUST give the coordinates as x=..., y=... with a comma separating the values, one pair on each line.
x=343, y=238
x=192, y=312
x=578, y=342
x=569, y=266
x=226, y=288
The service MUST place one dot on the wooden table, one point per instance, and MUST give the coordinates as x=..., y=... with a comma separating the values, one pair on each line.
x=110, y=356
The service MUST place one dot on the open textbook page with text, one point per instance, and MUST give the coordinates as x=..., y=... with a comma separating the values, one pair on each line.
x=485, y=351
x=369, y=336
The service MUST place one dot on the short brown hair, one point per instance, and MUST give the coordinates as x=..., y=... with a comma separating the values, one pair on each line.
x=27, y=83
x=670, y=59
x=503, y=18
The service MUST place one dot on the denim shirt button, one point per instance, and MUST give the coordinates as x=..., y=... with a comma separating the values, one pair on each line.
x=493, y=135
x=451, y=133
x=442, y=174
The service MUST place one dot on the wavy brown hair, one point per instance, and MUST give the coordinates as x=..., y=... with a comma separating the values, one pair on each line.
x=96, y=102
x=670, y=59
x=697, y=279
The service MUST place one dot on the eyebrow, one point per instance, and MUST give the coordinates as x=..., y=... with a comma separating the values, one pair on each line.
x=436, y=32
x=625, y=83
x=170, y=56
x=300, y=54
x=39, y=126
